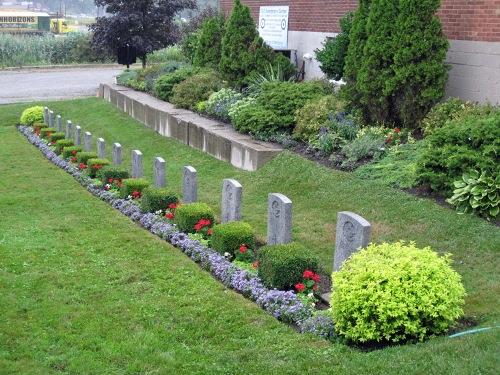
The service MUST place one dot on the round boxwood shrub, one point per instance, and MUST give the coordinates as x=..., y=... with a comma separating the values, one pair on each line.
x=187, y=215
x=112, y=172
x=45, y=133
x=71, y=151
x=394, y=293
x=54, y=137
x=84, y=157
x=31, y=115
x=164, y=85
x=131, y=185
x=95, y=165
x=156, y=199
x=195, y=89
x=228, y=237
x=282, y=266
x=61, y=144
x=38, y=126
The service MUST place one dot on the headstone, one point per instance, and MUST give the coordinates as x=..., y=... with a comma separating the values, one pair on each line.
x=137, y=170
x=78, y=135
x=101, y=148
x=190, y=185
x=117, y=154
x=46, y=115
x=159, y=172
x=231, y=200
x=353, y=233
x=87, y=141
x=279, y=219
x=69, y=130
x=51, y=119
x=59, y=123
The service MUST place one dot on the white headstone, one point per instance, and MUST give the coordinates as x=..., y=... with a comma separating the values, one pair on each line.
x=159, y=172
x=87, y=141
x=137, y=170
x=353, y=233
x=101, y=148
x=78, y=135
x=69, y=130
x=59, y=123
x=279, y=220
x=51, y=119
x=46, y=115
x=231, y=200
x=117, y=154
x=190, y=185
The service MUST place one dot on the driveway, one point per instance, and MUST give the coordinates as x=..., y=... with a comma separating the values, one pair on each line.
x=26, y=85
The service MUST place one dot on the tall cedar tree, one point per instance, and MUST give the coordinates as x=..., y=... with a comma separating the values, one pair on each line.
x=243, y=50
x=208, y=49
x=395, y=66
x=146, y=25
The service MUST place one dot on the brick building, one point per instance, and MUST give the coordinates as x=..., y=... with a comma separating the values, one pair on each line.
x=472, y=27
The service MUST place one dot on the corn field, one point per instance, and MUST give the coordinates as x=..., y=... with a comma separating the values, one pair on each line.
x=26, y=50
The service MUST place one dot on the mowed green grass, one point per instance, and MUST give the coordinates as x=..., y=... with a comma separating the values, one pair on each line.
x=84, y=290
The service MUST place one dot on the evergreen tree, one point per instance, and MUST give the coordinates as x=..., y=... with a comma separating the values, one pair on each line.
x=208, y=49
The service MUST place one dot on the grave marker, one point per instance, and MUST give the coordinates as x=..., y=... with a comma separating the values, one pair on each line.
x=69, y=130
x=137, y=170
x=190, y=185
x=231, y=200
x=353, y=233
x=117, y=154
x=59, y=123
x=101, y=148
x=78, y=135
x=159, y=172
x=87, y=141
x=279, y=221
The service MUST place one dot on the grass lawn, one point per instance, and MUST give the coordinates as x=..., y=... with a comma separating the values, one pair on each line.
x=84, y=290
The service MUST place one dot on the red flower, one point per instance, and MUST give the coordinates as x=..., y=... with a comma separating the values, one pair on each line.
x=136, y=194
x=255, y=264
x=308, y=274
x=397, y=130
x=82, y=166
x=110, y=180
x=300, y=287
x=73, y=152
x=169, y=215
x=315, y=277
x=210, y=231
x=197, y=227
x=73, y=160
x=172, y=206
x=96, y=166
x=243, y=249
x=315, y=287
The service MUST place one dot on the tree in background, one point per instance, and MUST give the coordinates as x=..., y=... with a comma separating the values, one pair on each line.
x=147, y=25
x=208, y=49
x=333, y=54
x=395, y=66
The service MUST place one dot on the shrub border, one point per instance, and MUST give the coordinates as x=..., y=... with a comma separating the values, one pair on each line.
x=283, y=305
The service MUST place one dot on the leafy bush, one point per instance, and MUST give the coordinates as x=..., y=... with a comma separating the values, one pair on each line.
x=189, y=44
x=164, y=85
x=332, y=55
x=166, y=55
x=85, y=156
x=188, y=215
x=208, y=48
x=195, y=89
x=47, y=132
x=255, y=119
x=131, y=185
x=220, y=102
x=326, y=141
x=54, y=137
x=31, y=115
x=228, y=237
x=345, y=125
x=471, y=143
x=281, y=70
x=282, y=266
x=313, y=115
x=364, y=147
x=71, y=151
x=95, y=165
x=156, y=199
x=477, y=193
x=111, y=172
x=394, y=293
x=61, y=144
x=38, y=126
x=441, y=113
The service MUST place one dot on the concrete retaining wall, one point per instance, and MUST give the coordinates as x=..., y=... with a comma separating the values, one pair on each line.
x=213, y=137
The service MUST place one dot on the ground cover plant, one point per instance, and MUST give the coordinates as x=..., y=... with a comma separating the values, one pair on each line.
x=357, y=360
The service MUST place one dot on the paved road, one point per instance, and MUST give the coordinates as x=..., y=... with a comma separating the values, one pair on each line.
x=52, y=84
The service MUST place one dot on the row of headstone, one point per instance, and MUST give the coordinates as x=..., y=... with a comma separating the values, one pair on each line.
x=353, y=232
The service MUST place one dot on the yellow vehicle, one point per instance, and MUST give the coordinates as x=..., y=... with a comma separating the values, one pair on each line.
x=60, y=26
x=15, y=21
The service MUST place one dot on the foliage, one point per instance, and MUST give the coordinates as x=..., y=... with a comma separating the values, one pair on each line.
x=465, y=144
x=395, y=293
x=477, y=193
x=131, y=185
x=229, y=237
x=61, y=144
x=313, y=115
x=220, y=102
x=31, y=115
x=94, y=165
x=243, y=51
x=194, y=89
x=395, y=69
x=326, y=141
x=85, y=156
x=113, y=173
x=157, y=199
x=147, y=25
x=253, y=118
x=54, y=137
x=282, y=266
x=189, y=44
x=166, y=55
x=188, y=215
x=280, y=70
x=332, y=55
x=208, y=48
x=163, y=87
x=47, y=132
x=362, y=148
x=71, y=152
x=441, y=113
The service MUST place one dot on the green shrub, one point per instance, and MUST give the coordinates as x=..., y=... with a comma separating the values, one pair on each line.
x=364, y=147
x=38, y=126
x=220, y=102
x=156, y=199
x=195, y=89
x=255, y=119
x=85, y=156
x=477, y=193
x=465, y=144
x=313, y=115
x=47, y=132
x=164, y=85
x=31, y=115
x=166, y=55
x=189, y=44
x=111, y=172
x=61, y=144
x=54, y=137
x=228, y=237
x=187, y=215
x=95, y=165
x=441, y=113
x=394, y=293
x=282, y=266
x=71, y=151
x=332, y=55
x=133, y=184
x=208, y=48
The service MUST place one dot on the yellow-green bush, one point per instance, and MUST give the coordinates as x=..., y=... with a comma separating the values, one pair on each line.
x=394, y=293
x=31, y=115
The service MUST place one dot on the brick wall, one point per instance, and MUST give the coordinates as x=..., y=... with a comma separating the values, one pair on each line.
x=477, y=20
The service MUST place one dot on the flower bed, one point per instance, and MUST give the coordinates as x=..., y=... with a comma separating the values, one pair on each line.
x=283, y=305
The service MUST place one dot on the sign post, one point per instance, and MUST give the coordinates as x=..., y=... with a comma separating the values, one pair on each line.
x=273, y=26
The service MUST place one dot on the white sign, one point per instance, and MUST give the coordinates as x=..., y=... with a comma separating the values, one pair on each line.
x=273, y=26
